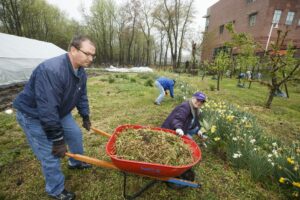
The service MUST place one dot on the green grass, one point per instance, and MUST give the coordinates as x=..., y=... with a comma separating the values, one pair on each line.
x=123, y=101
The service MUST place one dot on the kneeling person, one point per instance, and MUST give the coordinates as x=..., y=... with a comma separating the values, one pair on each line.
x=184, y=119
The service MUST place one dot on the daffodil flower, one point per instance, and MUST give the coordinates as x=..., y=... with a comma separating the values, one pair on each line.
x=213, y=129
x=296, y=184
x=290, y=160
x=230, y=118
x=282, y=180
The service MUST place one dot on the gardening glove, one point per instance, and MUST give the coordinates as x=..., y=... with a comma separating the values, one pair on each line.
x=59, y=148
x=166, y=93
x=86, y=123
x=179, y=132
x=202, y=135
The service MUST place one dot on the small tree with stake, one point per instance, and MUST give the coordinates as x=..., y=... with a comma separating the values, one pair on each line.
x=221, y=63
x=246, y=47
x=283, y=66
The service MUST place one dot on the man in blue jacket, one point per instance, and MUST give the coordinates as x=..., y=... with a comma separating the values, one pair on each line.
x=184, y=119
x=163, y=84
x=44, y=108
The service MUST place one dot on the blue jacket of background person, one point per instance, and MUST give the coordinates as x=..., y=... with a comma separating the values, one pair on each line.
x=51, y=93
x=167, y=84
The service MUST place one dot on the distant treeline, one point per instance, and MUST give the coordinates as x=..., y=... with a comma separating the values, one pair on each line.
x=136, y=32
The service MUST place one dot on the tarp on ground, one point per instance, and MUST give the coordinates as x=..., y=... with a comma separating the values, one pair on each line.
x=20, y=55
x=132, y=69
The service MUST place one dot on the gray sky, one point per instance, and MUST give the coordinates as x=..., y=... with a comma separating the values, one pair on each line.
x=71, y=8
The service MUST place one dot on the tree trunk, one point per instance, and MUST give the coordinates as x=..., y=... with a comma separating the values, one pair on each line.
x=218, y=81
x=166, y=54
x=270, y=98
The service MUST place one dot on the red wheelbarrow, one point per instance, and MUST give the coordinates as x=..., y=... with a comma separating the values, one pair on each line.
x=158, y=172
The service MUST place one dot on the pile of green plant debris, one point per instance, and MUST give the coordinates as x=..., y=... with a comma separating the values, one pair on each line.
x=153, y=146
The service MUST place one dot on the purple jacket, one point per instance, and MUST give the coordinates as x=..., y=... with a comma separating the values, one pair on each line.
x=181, y=117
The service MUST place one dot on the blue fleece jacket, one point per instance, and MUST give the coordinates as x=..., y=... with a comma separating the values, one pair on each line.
x=167, y=84
x=51, y=93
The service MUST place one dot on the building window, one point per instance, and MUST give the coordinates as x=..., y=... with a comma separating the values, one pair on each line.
x=289, y=18
x=207, y=23
x=252, y=19
x=276, y=17
x=250, y=1
x=221, y=29
x=299, y=22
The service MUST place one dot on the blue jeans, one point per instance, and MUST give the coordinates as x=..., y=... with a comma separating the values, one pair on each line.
x=192, y=132
x=42, y=148
x=161, y=91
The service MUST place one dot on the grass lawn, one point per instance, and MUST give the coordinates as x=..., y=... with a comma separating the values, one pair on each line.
x=117, y=99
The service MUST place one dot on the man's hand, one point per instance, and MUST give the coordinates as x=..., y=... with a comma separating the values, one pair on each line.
x=179, y=132
x=59, y=148
x=86, y=123
x=166, y=93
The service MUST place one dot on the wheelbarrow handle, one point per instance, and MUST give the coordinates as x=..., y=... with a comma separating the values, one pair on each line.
x=94, y=161
x=100, y=132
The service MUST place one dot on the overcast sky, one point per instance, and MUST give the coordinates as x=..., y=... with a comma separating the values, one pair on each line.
x=71, y=8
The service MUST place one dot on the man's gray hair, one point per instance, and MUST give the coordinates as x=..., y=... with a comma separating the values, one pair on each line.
x=78, y=39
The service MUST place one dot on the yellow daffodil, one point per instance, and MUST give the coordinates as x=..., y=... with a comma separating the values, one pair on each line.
x=230, y=117
x=248, y=125
x=282, y=180
x=290, y=160
x=213, y=129
x=217, y=139
x=296, y=184
x=203, y=130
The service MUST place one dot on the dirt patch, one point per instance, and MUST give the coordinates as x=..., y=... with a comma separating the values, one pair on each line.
x=8, y=94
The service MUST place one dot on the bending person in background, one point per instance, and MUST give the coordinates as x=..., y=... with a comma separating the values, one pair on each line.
x=44, y=108
x=164, y=84
x=184, y=119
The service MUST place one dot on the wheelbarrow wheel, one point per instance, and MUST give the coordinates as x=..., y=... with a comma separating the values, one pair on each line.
x=189, y=175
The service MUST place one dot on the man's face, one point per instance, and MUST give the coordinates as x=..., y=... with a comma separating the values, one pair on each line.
x=197, y=103
x=84, y=56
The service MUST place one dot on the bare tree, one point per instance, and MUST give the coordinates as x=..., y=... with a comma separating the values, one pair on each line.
x=146, y=24
x=36, y=19
x=132, y=8
x=11, y=12
x=174, y=16
x=284, y=67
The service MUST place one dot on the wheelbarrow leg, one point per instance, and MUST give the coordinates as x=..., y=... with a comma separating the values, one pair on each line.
x=138, y=193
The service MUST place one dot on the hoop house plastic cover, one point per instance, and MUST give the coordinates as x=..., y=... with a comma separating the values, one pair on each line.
x=20, y=55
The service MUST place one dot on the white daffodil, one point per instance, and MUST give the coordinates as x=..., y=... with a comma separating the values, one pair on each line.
x=252, y=141
x=237, y=154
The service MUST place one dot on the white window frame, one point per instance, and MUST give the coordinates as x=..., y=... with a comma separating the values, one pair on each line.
x=252, y=19
x=276, y=16
x=290, y=18
x=250, y=1
x=221, y=29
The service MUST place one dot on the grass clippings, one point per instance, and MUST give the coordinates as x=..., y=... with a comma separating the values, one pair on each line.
x=153, y=146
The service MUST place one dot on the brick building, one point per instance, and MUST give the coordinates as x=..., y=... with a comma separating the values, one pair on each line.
x=260, y=18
